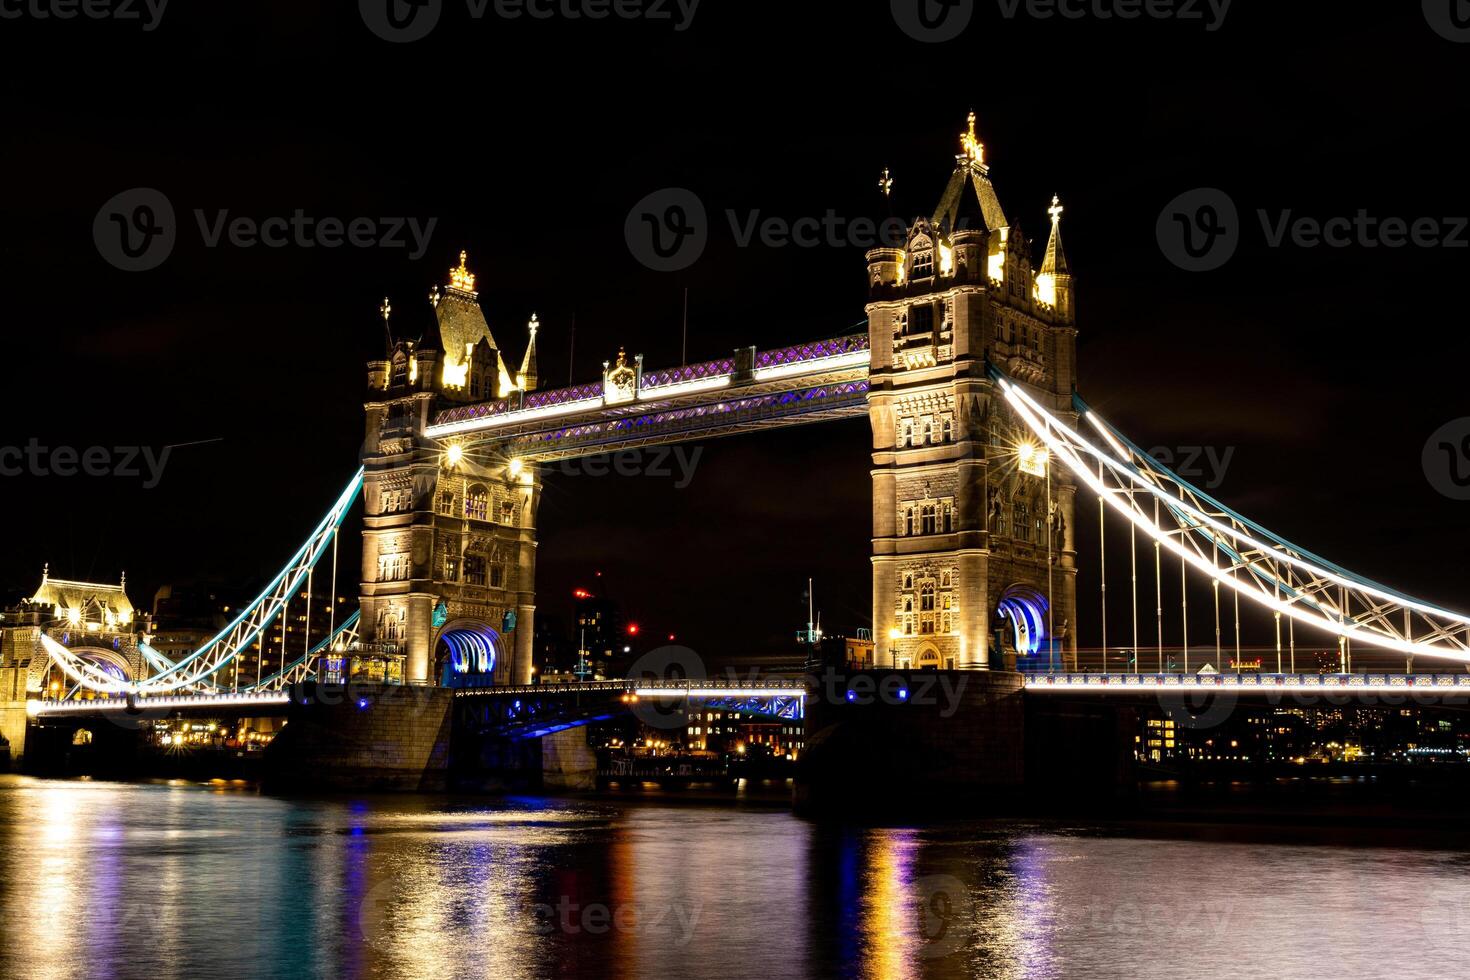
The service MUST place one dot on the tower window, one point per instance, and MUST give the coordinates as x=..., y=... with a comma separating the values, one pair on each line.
x=1022, y=520
x=921, y=319
x=923, y=265
x=928, y=519
x=477, y=504
x=474, y=569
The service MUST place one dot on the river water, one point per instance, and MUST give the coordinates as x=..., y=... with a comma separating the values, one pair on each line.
x=185, y=880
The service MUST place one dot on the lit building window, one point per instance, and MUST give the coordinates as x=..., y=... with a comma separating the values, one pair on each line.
x=477, y=504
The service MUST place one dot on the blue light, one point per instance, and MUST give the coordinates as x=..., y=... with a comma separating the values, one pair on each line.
x=362, y=704
x=852, y=695
x=903, y=694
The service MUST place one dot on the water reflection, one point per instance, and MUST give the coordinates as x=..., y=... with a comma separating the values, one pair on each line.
x=108, y=880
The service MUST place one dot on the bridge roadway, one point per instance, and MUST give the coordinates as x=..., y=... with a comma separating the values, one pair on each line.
x=782, y=698
x=1104, y=685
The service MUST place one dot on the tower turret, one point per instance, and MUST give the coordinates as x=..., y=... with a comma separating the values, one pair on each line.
x=526, y=380
x=1054, y=281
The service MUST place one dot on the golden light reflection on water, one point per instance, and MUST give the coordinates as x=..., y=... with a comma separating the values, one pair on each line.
x=161, y=881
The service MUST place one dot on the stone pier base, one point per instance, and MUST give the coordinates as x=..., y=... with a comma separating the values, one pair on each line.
x=908, y=742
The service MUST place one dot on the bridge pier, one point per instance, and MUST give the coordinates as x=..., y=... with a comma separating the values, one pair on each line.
x=882, y=742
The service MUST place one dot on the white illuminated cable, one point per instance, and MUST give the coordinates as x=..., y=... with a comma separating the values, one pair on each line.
x=1067, y=452
x=1076, y=443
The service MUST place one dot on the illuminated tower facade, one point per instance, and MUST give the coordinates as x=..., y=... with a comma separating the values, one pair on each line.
x=973, y=550
x=449, y=540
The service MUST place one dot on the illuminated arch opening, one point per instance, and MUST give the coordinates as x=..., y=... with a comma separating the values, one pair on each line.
x=1024, y=611
x=465, y=650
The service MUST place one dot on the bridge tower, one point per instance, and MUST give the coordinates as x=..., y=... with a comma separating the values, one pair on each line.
x=449, y=540
x=961, y=536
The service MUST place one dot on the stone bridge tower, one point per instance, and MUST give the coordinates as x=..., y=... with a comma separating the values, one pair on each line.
x=961, y=535
x=449, y=540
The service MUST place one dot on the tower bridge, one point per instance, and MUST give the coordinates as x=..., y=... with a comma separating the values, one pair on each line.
x=981, y=445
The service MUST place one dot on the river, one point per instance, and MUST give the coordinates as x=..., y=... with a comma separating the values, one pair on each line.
x=161, y=880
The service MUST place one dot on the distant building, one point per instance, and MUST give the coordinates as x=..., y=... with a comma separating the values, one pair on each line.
x=96, y=620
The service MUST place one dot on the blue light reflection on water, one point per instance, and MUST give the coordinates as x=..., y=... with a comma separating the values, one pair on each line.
x=164, y=880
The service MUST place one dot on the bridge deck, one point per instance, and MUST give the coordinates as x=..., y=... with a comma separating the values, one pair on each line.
x=1104, y=684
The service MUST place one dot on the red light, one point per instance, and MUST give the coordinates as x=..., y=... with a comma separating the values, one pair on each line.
x=582, y=594
x=671, y=637
x=632, y=629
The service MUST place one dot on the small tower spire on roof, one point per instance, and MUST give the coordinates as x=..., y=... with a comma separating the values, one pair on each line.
x=462, y=278
x=385, y=311
x=974, y=150
x=885, y=183
x=1055, y=262
x=528, y=377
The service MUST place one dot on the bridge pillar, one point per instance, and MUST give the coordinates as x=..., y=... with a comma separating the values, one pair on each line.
x=964, y=508
x=449, y=528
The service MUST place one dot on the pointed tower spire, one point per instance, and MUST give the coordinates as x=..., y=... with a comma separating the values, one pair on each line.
x=386, y=311
x=527, y=376
x=1054, y=280
x=1055, y=262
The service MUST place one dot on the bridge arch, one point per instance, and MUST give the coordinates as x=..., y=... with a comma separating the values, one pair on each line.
x=1023, y=611
x=465, y=648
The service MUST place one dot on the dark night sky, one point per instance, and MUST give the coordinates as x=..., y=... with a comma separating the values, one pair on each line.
x=1327, y=369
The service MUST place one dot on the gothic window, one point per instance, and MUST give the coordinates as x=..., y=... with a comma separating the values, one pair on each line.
x=446, y=502
x=451, y=568
x=946, y=429
x=477, y=503
x=908, y=603
x=392, y=568
x=928, y=519
x=923, y=264
x=389, y=627
x=948, y=518
x=908, y=531
x=946, y=624
x=507, y=512
x=926, y=597
x=906, y=434
x=908, y=581
x=908, y=626
x=497, y=575
x=945, y=580
x=474, y=569
x=1022, y=514
x=921, y=319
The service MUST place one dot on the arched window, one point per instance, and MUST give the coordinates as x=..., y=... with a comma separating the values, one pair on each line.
x=908, y=526
x=923, y=264
x=926, y=597
x=928, y=519
x=947, y=429
x=477, y=503
x=474, y=569
x=1022, y=515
